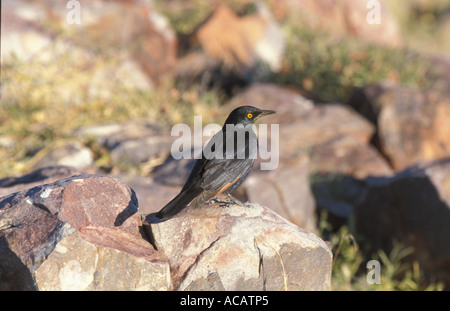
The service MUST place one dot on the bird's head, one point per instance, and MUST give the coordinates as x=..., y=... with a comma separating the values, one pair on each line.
x=246, y=115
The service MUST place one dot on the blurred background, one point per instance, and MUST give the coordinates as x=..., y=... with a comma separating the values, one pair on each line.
x=363, y=108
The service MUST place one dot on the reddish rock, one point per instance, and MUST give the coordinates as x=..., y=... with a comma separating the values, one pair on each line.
x=412, y=125
x=331, y=134
x=100, y=210
x=104, y=211
x=234, y=50
x=347, y=18
x=243, y=41
x=152, y=194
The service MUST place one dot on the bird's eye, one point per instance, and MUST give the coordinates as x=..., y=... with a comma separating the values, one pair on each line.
x=249, y=116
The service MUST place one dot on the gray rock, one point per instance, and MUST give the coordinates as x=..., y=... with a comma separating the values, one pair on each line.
x=305, y=126
x=413, y=208
x=85, y=233
x=334, y=137
x=286, y=190
x=412, y=125
x=41, y=176
x=347, y=155
x=76, y=264
x=152, y=195
x=240, y=248
x=72, y=154
x=130, y=142
x=146, y=44
x=173, y=172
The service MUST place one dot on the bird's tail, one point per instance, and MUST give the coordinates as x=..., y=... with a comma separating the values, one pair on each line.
x=178, y=203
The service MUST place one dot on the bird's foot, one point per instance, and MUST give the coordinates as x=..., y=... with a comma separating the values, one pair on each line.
x=235, y=201
x=231, y=200
x=222, y=203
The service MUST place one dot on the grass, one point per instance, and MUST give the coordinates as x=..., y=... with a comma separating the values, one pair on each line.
x=332, y=68
x=324, y=65
x=425, y=24
x=44, y=102
x=349, y=264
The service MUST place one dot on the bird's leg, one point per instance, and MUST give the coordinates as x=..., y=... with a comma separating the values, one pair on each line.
x=234, y=200
x=222, y=203
x=216, y=200
x=238, y=202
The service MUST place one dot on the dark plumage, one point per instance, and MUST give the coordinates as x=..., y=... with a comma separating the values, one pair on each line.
x=221, y=170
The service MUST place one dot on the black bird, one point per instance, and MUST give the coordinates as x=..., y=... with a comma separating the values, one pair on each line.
x=226, y=161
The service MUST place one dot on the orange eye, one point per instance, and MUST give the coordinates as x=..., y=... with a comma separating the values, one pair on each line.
x=249, y=116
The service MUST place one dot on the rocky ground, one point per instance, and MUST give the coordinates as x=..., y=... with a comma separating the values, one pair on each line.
x=82, y=175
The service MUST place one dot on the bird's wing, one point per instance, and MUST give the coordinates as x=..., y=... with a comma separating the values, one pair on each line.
x=224, y=171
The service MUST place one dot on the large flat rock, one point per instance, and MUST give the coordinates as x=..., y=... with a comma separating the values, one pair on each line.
x=240, y=248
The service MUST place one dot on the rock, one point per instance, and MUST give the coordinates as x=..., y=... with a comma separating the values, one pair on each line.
x=412, y=125
x=347, y=18
x=328, y=133
x=21, y=31
x=439, y=73
x=173, y=172
x=77, y=233
x=145, y=46
x=144, y=32
x=129, y=143
x=348, y=156
x=243, y=41
x=336, y=139
x=37, y=35
x=27, y=236
x=152, y=194
x=337, y=194
x=41, y=176
x=412, y=207
x=234, y=50
x=240, y=248
x=85, y=233
x=71, y=154
x=76, y=264
x=286, y=190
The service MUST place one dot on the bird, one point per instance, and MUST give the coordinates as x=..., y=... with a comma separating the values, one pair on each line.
x=226, y=161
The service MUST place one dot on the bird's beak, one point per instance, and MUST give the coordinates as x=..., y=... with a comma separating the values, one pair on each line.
x=264, y=113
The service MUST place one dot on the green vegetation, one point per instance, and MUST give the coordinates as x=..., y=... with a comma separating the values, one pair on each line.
x=331, y=69
x=349, y=263
x=425, y=24
x=43, y=103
